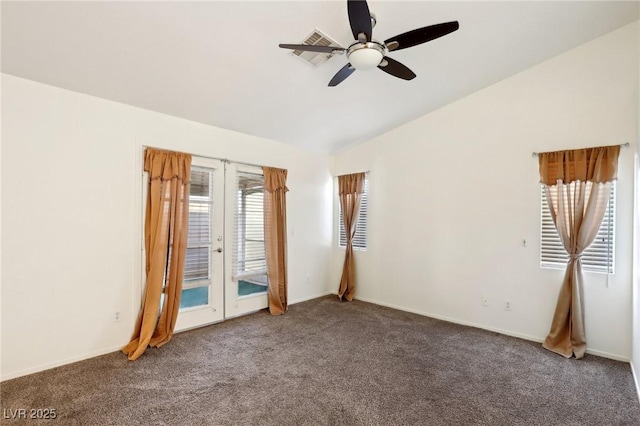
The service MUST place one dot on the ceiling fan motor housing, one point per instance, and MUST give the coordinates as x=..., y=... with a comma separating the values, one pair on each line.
x=364, y=56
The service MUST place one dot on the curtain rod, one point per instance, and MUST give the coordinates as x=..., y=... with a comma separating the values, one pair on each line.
x=227, y=161
x=224, y=160
x=624, y=145
x=366, y=172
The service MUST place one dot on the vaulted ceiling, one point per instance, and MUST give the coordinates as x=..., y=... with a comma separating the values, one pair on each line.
x=219, y=63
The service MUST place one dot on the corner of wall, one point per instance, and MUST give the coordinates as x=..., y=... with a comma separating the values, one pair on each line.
x=635, y=379
x=635, y=338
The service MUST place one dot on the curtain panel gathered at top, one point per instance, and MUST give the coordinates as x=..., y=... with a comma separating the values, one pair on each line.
x=275, y=235
x=577, y=185
x=165, y=231
x=350, y=189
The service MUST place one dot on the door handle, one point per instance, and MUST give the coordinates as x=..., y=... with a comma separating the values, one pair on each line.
x=219, y=250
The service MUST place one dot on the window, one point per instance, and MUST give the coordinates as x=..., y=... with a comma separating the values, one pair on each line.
x=360, y=238
x=598, y=257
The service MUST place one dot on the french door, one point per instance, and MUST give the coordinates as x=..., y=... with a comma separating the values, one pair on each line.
x=245, y=261
x=202, y=299
x=225, y=265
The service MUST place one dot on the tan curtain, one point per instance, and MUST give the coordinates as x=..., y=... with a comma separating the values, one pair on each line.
x=165, y=231
x=275, y=235
x=577, y=186
x=350, y=188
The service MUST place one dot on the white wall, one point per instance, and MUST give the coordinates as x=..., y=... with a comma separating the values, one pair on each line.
x=454, y=193
x=71, y=180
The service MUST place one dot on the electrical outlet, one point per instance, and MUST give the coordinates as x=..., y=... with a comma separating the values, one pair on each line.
x=507, y=305
x=308, y=280
x=116, y=316
x=484, y=301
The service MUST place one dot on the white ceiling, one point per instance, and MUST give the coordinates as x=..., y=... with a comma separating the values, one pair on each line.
x=219, y=62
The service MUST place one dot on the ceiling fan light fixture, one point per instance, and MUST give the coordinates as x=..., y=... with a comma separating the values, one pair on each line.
x=364, y=56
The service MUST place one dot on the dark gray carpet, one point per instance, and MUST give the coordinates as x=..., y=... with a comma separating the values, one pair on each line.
x=334, y=363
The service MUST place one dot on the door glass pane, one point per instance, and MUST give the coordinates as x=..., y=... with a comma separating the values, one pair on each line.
x=197, y=265
x=193, y=297
x=249, y=261
x=197, y=259
x=252, y=285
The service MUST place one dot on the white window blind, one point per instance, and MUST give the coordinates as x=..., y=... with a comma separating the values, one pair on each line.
x=360, y=238
x=249, y=259
x=197, y=265
x=598, y=257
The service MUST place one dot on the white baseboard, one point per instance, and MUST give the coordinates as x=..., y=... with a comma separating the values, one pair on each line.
x=488, y=328
x=636, y=380
x=609, y=355
x=60, y=363
x=315, y=296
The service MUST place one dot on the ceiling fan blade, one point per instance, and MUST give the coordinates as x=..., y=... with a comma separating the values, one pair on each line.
x=310, y=48
x=344, y=72
x=396, y=69
x=421, y=35
x=359, y=18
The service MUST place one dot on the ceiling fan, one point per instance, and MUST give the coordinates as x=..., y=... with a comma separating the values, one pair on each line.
x=367, y=53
